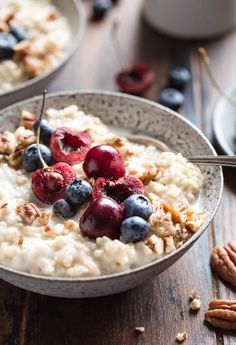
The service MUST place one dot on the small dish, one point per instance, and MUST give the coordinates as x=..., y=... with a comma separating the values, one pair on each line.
x=224, y=124
x=74, y=12
x=134, y=114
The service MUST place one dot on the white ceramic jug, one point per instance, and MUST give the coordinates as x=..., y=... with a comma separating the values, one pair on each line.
x=191, y=18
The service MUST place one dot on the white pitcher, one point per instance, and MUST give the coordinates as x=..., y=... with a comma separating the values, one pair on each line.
x=191, y=18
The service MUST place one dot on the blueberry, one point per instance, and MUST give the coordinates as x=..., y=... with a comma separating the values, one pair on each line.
x=78, y=192
x=138, y=205
x=31, y=160
x=7, y=43
x=100, y=8
x=171, y=98
x=179, y=77
x=46, y=131
x=19, y=33
x=134, y=229
x=62, y=209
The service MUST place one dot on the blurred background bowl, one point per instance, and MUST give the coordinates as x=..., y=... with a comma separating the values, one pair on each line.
x=74, y=11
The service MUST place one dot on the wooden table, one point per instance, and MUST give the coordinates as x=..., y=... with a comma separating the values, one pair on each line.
x=161, y=305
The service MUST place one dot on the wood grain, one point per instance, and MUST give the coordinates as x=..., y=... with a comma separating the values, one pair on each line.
x=161, y=305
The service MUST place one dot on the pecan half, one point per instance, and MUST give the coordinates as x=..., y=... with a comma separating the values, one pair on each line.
x=27, y=119
x=28, y=212
x=15, y=158
x=223, y=262
x=222, y=314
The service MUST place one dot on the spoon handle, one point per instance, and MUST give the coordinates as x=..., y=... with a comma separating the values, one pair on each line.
x=229, y=161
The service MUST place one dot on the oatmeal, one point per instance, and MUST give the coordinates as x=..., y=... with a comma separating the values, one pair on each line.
x=34, y=239
x=37, y=37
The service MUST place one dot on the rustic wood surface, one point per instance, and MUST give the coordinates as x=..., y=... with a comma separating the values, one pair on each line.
x=161, y=305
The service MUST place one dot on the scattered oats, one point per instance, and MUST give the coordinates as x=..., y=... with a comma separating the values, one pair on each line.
x=195, y=304
x=70, y=225
x=181, y=337
x=44, y=217
x=139, y=329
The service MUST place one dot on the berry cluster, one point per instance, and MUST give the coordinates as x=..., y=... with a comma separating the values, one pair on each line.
x=118, y=207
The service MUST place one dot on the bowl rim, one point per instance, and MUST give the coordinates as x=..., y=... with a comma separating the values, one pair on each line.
x=91, y=92
x=81, y=17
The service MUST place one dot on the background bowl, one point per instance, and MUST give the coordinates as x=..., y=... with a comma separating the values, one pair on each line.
x=135, y=114
x=74, y=11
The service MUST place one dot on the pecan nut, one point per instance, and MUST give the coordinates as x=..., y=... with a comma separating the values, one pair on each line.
x=28, y=212
x=27, y=119
x=222, y=314
x=223, y=262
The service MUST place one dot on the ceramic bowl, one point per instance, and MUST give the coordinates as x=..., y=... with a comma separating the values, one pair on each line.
x=224, y=124
x=74, y=11
x=133, y=114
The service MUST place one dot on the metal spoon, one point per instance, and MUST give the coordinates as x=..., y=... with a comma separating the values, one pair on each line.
x=229, y=161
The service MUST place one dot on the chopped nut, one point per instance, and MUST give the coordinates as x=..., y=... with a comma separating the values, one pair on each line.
x=156, y=244
x=44, y=217
x=27, y=119
x=169, y=244
x=24, y=136
x=22, y=49
x=120, y=145
x=48, y=231
x=70, y=225
x=7, y=142
x=28, y=212
x=32, y=65
x=181, y=337
x=4, y=206
x=195, y=304
x=222, y=314
x=193, y=294
x=223, y=262
x=176, y=216
x=148, y=175
x=139, y=329
x=20, y=240
x=15, y=158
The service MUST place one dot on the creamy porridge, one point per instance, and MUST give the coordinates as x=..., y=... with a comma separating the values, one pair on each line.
x=33, y=239
x=40, y=39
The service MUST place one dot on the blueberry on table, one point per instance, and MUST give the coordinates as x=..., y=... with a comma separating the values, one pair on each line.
x=19, y=33
x=100, y=8
x=179, y=77
x=46, y=131
x=7, y=43
x=61, y=208
x=171, y=98
x=78, y=192
x=134, y=229
x=31, y=161
x=138, y=205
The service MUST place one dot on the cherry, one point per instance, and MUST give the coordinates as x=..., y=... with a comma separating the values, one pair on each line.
x=103, y=217
x=49, y=184
x=104, y=161
x=118, y=190
x=135, y=80
x=69, y=146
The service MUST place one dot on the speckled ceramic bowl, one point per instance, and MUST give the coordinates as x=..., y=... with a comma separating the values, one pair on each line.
x=134, y=114
x=74, y=11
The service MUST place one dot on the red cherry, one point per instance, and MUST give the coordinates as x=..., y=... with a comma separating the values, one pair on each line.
x=69, y=146
x=118, y=190
x=49, y=184
x=135, y=80
x=104, y=161
x=103, y=217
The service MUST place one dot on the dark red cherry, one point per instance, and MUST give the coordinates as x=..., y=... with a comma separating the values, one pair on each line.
x=104, y=161
x=135, y=80
x=49, y=184
x=103, y=217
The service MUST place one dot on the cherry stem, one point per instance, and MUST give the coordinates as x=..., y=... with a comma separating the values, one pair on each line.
x=44, y=165
x=116, y=44
x=207, y=64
